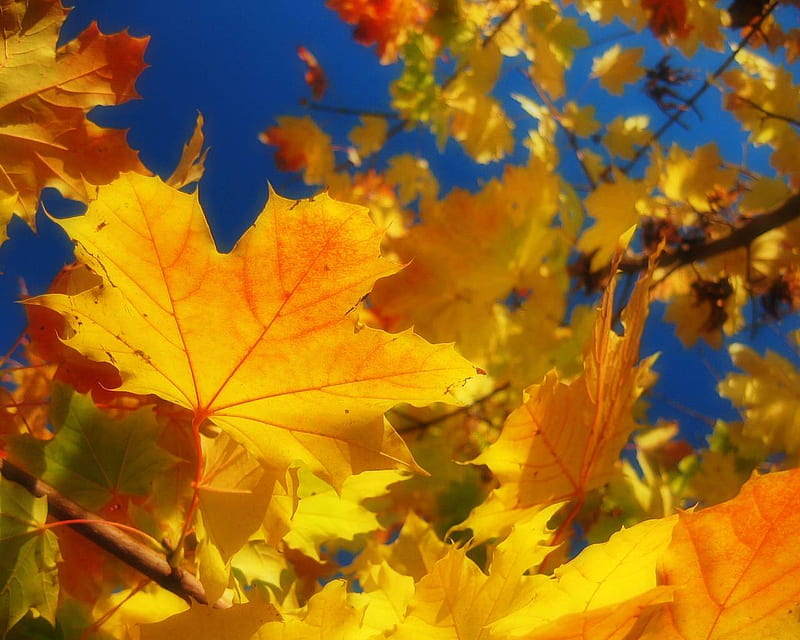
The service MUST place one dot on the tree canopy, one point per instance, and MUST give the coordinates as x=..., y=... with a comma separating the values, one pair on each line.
x=398, y=409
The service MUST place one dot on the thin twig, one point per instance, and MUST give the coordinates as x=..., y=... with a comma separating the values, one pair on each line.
x=349, y=111
x=424, y=424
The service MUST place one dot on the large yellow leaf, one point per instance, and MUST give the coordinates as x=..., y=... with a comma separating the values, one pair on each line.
x=258, y=340
x=735, y=567
x=566, y=438
x=598, y=595
x=45, y=94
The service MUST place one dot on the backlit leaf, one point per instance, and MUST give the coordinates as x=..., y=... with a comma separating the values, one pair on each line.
x=257, y=340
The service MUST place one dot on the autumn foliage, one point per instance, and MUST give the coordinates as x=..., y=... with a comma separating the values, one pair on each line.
x=394, y=410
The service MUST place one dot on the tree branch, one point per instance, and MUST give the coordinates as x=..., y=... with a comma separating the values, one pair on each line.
x=120, y=545
x=738, y=239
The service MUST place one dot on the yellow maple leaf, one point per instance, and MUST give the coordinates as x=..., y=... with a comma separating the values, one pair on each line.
x=370, y=135
x=45, y=94
x=618, y=67
x=764, y=194
x=761, y=88
x=413, y=178
x=456, y=600
x=696, y=177
x=413, y=554
x=768, y=393
x=566, y=438
x=471, y=251
x=241, y=622
x=623, y=133
x=329, y=614
x=311, y=524
x=481, y=125
x=257, y=340
x=615, y=206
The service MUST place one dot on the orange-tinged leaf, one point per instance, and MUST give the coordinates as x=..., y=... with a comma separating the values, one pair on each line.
x=735, y=567
x=45, y=93
x=258, y=340
x=667, y=17
x=370, y=136
x=566, y=438
x=302, y=145
x=47, y=330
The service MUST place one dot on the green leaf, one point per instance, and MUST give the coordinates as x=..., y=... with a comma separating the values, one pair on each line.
x=95, y=457
x=28, y=556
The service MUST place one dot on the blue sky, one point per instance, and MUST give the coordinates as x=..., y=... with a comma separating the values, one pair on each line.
x=237, y=64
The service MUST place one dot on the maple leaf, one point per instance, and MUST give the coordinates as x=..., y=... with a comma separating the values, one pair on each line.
x=191, y=165
x=93, y=458
x=768, y=395
x=733, y=567
x=565, y=438
x=616, y=68
x=615, y=206
x=623, y=133
x=28, y=556
x=45, y=94
x=600, y=594
x=301, y=145
x=370, y=136
x=257, y=340
x=241, y=622
x=456, y=600
x=471, y=252
x=694, y=177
